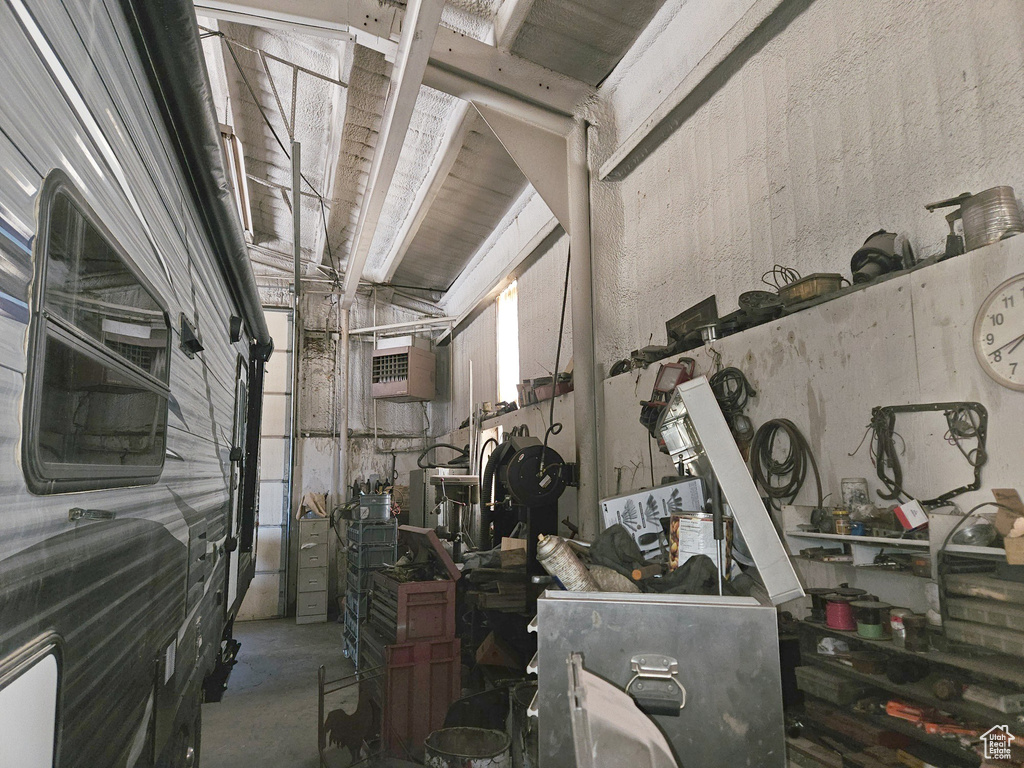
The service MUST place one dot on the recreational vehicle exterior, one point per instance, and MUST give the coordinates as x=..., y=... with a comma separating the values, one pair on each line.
x=132, y=350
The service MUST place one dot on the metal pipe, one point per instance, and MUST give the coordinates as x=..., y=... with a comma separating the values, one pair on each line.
x=343, y=420
x=425, y=323
x=293, y=458
x=585, y=399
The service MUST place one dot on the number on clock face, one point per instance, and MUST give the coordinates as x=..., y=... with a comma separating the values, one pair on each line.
x=999, y=334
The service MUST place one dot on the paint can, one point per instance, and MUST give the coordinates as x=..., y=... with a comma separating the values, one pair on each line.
x=467, y=748
x=693, y=533
x=556, y=557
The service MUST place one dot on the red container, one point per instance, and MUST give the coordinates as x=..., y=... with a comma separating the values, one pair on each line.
x=421, y=681
x=422, y=610
x=413, y=611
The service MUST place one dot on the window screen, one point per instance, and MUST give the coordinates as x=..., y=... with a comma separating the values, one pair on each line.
x=97, y=408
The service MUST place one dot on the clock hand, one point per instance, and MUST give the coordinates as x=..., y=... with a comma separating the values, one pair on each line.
x=1016, y=342
x=1013, y=349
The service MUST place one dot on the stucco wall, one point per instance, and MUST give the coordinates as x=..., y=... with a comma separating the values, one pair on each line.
x=849, y=119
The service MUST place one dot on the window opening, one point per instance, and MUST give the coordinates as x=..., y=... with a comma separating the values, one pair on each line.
x=508, y=344
x=97, y=403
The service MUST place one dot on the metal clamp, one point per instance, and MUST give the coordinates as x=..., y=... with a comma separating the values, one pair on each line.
x=653, y=666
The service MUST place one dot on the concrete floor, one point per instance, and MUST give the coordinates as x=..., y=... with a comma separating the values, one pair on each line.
x=268, y=717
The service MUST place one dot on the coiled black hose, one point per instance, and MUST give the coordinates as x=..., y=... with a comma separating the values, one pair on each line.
x=781, y=479
x=462, y=459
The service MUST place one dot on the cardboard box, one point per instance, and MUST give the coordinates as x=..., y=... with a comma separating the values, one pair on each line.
x=911, y=515
x=641, y=512
x=1010, y=523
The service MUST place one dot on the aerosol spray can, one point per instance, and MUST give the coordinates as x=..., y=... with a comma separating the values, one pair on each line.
x=558, y=559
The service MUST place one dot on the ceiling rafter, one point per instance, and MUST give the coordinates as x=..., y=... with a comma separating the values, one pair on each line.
x=421, y=24
x=452, y=52
x=510, y=19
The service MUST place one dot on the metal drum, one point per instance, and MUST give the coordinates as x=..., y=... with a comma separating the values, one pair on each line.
x=468, y=748
x=990, y=216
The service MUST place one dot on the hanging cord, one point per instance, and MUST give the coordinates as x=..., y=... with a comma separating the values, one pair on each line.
x=886, y=455
x=779, y=276
x=964, y=424
x=556, y=426
x=781, y=479
x=732, y=390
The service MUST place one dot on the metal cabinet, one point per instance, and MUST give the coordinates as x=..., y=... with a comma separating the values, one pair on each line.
x=311, y=600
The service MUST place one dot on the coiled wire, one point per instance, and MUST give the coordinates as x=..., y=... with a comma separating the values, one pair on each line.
x=782, y=478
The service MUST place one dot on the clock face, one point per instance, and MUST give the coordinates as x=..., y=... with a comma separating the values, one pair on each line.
x=999, y=334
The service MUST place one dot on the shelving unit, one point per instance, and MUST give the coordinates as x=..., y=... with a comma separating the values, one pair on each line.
x=992, y=670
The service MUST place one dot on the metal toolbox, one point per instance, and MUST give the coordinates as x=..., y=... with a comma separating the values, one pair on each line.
x=408, y=608
x=723, y=651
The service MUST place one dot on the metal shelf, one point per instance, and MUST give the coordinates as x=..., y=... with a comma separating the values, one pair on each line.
x=889, y=542
x=995, y=666
x=919, y=692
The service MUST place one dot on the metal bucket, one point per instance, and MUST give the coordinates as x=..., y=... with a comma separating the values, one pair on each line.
x=990, y=216
x=374, y=506
x=467, y=748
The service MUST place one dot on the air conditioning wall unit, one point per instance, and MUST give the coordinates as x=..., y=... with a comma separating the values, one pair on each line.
x=403, y=374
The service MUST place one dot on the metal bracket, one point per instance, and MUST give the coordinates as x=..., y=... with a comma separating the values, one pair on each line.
x=655, y=684
x=885, y=416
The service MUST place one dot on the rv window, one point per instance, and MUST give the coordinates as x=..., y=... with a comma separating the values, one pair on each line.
x=97, y=405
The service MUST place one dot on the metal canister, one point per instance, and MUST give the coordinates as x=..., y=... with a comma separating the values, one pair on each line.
x=841, y=521
x=916, y=627
x=560, y=561
x=990, y=216
x=899, y=632
x=693, y=533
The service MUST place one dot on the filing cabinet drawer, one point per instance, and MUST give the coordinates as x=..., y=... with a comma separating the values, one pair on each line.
x=311, y=604
x=313, y=556
x=314, y=531
x=312, y=579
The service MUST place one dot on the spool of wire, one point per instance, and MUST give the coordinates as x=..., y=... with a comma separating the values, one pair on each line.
x=839, y=614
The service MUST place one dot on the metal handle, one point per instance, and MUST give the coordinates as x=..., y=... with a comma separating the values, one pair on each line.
x=656, y=667
x=77, y=513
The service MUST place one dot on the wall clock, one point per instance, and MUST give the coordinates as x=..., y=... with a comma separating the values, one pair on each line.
x=999, y=334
